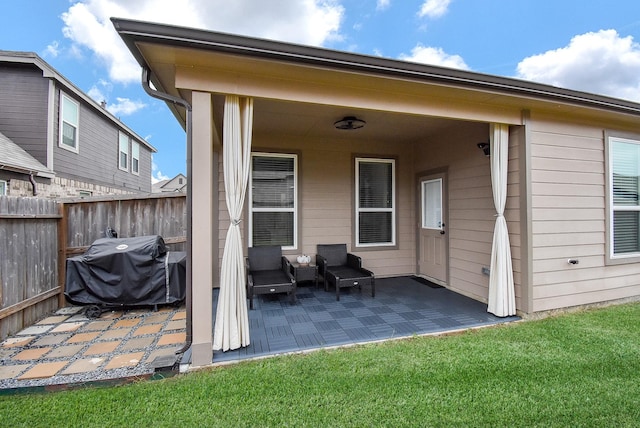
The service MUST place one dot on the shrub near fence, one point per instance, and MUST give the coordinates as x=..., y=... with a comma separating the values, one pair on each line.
x=37, y=235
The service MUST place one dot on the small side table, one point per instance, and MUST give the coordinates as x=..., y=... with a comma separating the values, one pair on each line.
x=307, y=272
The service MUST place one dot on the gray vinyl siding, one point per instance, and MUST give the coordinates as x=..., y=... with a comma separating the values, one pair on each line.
x=568, y=213
x=97, y=157
x=23, y=108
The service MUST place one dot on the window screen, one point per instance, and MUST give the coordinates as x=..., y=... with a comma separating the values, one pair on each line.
x=69, y=123
x=273, y=200
x=625, y=159
x=375, y=202
x=123, y=157
x=135, y=158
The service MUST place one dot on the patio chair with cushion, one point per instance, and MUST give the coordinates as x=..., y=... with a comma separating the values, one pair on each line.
x=269, y=272
x=342, y=269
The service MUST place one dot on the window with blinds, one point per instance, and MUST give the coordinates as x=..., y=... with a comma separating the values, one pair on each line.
x=123, y=151
x=624, y=170
x=135, y=158
x=69, y=123
x=375, y=202
x=273, y=200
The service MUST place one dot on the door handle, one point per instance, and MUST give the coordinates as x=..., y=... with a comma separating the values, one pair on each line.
x=442, y=231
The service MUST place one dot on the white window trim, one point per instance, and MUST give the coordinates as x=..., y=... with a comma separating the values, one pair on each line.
x=423, y=214
x=3, y=187
x=392, y=210
x=75, y=149
x=135, y=145
x=126, y=166
x=613, y=258
x=295, y=197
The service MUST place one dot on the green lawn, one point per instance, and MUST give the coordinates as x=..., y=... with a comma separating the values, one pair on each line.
x=574, y=370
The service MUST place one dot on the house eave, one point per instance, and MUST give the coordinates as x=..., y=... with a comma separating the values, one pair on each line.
x=135, y=32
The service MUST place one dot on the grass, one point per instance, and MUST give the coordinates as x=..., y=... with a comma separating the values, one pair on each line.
x=580, y=369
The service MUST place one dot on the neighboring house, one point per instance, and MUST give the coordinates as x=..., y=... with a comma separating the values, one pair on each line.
x=175, y=184
x=58, y=142
x=410, y=191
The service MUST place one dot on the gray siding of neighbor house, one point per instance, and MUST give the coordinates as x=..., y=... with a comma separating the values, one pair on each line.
x=97, y=157
x=23, y=108
x=568, y=192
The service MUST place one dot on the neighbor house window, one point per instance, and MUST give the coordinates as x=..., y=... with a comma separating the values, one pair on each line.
x=273, y=200
x=375, y=202
x=3, y=188
x=624, y=180
x=135, y=158
x=69, y=123
x=123, y=151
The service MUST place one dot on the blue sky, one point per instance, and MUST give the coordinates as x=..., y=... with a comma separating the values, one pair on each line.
x=587, y=45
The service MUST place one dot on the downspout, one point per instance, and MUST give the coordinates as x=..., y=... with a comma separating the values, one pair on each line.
x=33, y=183
x=146, y=75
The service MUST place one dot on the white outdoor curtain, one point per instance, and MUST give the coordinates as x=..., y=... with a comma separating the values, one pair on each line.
x=231, y=329
x=502, y=300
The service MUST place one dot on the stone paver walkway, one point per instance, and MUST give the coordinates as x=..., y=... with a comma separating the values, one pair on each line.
x=67, y=347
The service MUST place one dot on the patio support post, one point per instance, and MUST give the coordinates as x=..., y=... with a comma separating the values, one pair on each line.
x=203, y=237
x=232, y=318
x=502, y=301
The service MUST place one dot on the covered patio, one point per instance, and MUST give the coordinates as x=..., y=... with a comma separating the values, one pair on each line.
x=403, y=307
x=410, y=192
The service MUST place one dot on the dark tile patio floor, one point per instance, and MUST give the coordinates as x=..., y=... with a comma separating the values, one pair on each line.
x=403, y=306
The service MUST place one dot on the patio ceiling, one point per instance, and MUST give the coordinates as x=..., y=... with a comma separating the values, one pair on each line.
x=316, y=121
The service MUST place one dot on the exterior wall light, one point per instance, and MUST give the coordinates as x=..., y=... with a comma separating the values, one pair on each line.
x=485, y=149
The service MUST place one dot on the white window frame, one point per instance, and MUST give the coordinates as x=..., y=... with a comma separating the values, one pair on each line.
x=613, y=258
x=358, y=209
x=135, y=157
x=295, y=197
x=425, y=223
x=121, y=137
x=3, y=187
x=76, y=147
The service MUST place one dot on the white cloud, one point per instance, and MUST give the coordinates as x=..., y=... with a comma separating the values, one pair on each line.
x=383, y=4
x=434, y=8
x=52, y=50
x=434, y=56
x=600, y=62
x=96, y=94
x=125, y=107
x=157, y=175
x=87, y=23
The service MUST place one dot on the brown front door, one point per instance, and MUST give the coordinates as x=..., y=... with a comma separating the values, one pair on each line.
x=432, y=241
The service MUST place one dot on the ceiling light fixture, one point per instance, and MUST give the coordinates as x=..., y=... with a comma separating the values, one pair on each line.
x=349, y=123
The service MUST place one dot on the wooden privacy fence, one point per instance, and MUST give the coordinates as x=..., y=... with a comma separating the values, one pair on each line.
x=37, y=236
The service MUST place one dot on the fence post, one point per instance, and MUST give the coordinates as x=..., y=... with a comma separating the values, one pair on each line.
x=62, y=253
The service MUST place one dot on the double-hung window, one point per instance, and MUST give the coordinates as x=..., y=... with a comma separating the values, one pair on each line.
x=375, y=202
x=3, y=187
x=123, y=151
x=624, y=189
x=69, y=123
x=135, y=158
x=273, y=200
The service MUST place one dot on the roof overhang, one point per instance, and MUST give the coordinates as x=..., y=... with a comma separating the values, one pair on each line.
x=179, y=57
